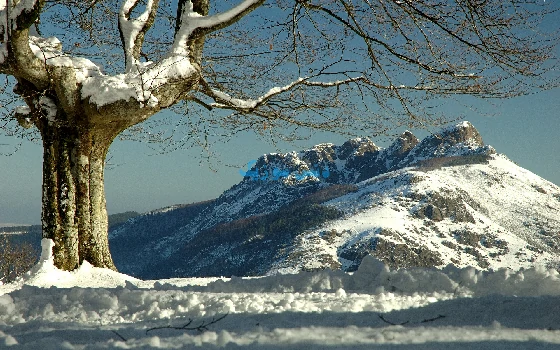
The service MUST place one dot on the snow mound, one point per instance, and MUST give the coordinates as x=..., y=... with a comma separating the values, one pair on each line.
x=44, y=274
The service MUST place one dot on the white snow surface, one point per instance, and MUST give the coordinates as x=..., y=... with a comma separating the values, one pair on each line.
x=375, y=307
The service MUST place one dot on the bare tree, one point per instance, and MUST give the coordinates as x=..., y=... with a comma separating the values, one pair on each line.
x=277, y=67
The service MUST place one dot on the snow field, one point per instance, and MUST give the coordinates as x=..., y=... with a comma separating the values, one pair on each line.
x=463, y=308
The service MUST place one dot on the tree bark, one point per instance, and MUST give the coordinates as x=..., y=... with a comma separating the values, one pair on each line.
x=74, y=213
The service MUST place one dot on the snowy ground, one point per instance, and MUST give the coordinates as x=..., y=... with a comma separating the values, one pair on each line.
x=372, y=308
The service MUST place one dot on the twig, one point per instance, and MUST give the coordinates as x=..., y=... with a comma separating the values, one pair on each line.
x=432, y=319
x=202, y=327
x=120, y=336
x=403, y=323
x=391, y=323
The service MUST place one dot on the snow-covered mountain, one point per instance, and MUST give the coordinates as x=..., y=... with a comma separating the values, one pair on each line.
x=448, y=199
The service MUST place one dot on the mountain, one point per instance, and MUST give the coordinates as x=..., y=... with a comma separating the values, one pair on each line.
x=448, y=199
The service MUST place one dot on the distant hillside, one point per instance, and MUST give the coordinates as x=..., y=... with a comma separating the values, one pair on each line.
x=32, y=233
x=144, y=232
x=446, y=199
x=24, y=234
x=252, y=243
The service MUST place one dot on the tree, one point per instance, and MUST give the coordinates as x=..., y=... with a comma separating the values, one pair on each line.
x=279, y=68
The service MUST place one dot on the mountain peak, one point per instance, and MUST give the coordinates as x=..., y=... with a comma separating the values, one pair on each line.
x=404, y=143
x=464, y=133
x=356, y=147
x=458, y=140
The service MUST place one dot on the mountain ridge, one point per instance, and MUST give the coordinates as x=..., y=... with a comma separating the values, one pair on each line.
x=259, y=226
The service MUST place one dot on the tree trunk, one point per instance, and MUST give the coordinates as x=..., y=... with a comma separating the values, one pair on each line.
x=74, y=213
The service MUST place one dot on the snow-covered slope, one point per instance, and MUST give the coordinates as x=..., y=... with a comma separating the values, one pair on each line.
x=446, y=199
x=488, y=215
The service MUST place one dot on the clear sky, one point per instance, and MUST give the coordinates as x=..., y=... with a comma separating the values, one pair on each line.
x=526, y=129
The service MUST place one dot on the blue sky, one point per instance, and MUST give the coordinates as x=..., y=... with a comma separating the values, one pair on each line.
x=524, y=128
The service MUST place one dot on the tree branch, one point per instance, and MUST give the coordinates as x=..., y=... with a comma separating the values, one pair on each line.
x=367, y=37
x=132, y=31
x=225, y=101
x=193, y=25
x=15, y=52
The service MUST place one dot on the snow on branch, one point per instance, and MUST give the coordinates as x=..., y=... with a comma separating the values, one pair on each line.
x=49, y=51
x=192, y=21
x=133, y=29
x=9, y=13
x=141, y=85
x=225, y=101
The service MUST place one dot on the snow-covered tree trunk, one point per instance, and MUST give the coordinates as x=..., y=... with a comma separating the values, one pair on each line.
x=74, y=211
